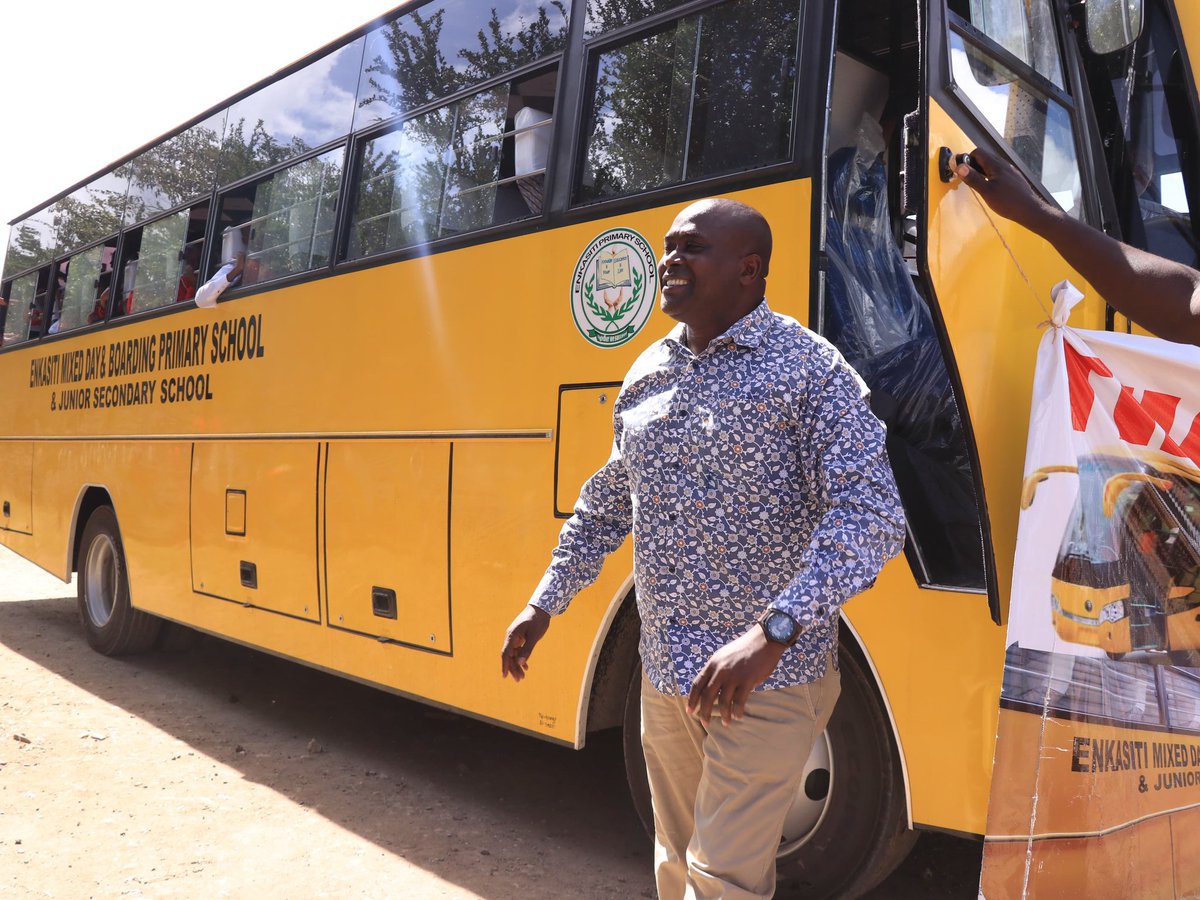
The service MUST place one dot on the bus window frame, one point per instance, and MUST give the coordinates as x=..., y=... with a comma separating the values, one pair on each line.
x=954, y=24
x=86, y=328
x=799, y=161
x=1114, y=222
x=6, y=293
x=212, y=263
x=352, y=175
x=120, y=261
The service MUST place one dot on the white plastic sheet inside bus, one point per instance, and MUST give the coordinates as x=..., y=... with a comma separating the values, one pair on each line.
x=1096, y=783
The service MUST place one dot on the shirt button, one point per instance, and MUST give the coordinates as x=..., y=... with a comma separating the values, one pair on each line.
x=671, y=516
x=671, y=569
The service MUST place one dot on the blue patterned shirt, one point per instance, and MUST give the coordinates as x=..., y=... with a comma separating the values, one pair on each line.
x=752, y=475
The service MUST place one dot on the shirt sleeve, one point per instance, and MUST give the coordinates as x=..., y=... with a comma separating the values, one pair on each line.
x=845, y=456
x=602, y=519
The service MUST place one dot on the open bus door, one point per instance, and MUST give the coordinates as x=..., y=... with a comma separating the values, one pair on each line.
x=997, y=75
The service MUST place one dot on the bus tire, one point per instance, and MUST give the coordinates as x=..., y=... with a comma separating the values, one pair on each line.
x=861, y=835
x=112, y=626
x=850, y=832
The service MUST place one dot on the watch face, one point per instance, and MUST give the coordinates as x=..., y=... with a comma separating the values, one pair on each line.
x=780, y=627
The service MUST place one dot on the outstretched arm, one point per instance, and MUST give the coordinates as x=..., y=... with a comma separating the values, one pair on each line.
x=602, y=520
x=1159, y=294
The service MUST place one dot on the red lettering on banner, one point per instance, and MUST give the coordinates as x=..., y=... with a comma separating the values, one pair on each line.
x=1191, y=443
x=1136, y=419
x=1079, y=367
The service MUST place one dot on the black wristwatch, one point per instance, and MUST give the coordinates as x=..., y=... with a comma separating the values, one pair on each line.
x=779, y=627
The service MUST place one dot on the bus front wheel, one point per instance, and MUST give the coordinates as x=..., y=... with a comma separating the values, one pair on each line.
x=848, y=827
x=112, y=626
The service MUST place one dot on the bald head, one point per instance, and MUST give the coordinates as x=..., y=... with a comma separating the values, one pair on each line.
x=745, y=225
x=713, y=269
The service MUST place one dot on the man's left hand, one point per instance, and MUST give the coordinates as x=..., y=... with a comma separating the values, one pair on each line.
x=731, y=674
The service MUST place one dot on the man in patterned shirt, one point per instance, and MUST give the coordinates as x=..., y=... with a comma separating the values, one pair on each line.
x=754, y=478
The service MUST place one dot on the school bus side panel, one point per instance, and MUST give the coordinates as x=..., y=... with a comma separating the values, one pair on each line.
x=16, y=486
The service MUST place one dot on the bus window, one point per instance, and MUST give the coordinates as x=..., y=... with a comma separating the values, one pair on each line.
x=477, y=162
x=1024, y=29
x=287, y=217
x=607, y=15
x=20, y=308
x=180, y=169
x=31, y=242
x=92, y=212
x=681, y=103
x=87, y=290
x=446, y=46
x=1183, y=696
x=290, y=117
x=1148, y=129
x=1028, y=111
x=160, y=261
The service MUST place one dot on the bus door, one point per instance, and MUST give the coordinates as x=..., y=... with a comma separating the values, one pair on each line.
x=254, y=524
x=386, y=522
x=999, y=75
x=877, y=311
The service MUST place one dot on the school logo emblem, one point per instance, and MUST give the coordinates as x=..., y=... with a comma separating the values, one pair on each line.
x=614, y=287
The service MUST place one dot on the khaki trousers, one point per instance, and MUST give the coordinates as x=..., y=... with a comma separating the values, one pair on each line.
x=720, y=794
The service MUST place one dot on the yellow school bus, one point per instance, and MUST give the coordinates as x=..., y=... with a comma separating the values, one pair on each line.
x=444, y=227
x=1125, y=578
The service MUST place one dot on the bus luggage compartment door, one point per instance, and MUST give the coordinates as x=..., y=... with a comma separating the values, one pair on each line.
x=387, y=556
x=254, y=524
x=16, y=486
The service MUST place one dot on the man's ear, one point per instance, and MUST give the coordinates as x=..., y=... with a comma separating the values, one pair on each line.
x=752, y=269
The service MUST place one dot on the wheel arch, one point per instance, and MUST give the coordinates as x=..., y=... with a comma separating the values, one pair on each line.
x=602, y=695
x=91, y=497
x=851, y=640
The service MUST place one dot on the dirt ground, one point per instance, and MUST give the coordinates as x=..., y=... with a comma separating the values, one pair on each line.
x=223, y=772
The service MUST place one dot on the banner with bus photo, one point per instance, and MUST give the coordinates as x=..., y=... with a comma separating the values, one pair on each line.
x=1096, y=785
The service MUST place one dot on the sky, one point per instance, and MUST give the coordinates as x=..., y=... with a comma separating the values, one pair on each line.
x=85, y=83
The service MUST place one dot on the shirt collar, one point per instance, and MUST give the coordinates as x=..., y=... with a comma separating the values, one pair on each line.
x=748, y=331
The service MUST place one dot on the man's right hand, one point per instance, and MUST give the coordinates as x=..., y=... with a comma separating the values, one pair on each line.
x=1004, y=189
x=522, y=636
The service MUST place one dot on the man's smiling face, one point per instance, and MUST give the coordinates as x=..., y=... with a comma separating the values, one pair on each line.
x=701, y=266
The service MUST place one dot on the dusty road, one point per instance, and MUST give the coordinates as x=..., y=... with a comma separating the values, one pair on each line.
x=222, y=772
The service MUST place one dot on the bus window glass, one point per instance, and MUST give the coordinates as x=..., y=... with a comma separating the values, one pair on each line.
x=158, y=265
x=1025, y=28
x=93, y=211
x=289, y=117
x=1148, y=103
x=471, y=164
x=160, y=261
x=19, y=310
x=31, y=242
x=180, y=169
x=608, y=15
x=1183, y=693
x=285, y=221
x=85, y=295
x=1076, y=685
x=682, y=103
x=448, y=45
x=1036, y=127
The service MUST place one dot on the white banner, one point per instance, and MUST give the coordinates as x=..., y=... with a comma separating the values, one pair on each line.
x=1096, y=785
